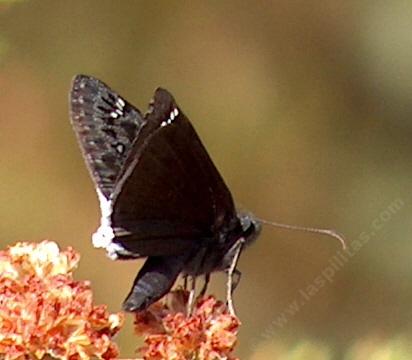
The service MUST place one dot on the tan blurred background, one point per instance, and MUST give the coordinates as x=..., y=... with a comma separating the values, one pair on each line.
x=306, y=109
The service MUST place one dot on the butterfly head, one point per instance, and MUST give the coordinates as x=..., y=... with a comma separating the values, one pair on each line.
x=251, y=226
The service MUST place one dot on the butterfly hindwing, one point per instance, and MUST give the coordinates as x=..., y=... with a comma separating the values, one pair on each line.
x=106, y=126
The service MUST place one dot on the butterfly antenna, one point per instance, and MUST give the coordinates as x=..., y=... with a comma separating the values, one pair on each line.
x=327, y=232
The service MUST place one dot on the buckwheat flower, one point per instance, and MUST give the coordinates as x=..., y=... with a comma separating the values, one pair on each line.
x=44, y=313
x=210, y=333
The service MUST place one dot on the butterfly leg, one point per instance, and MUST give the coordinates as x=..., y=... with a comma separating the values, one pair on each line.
x=237, y=274
x=204, y=288
x=236, y=250
x=191, y=300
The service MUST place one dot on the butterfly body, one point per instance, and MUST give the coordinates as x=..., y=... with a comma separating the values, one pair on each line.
x=161, y=196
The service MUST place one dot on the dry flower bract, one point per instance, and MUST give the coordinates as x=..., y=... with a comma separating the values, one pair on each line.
x=45, y=313
x=210, y=333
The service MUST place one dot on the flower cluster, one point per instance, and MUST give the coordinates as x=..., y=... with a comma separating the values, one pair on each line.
x=210, y=333
x=45, y=313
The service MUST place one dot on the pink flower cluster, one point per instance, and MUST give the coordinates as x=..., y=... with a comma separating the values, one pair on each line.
x=210, y=333
x=45, y=313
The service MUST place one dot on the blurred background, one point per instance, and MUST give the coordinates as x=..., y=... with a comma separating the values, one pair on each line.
x=306, y=109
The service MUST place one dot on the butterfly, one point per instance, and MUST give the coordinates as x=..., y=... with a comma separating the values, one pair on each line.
x=161, y=197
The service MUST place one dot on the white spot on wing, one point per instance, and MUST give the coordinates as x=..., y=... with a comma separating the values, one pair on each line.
x=172, y=116
x=104, y=235
x=114, y=114
x=115, y=249
x=120, y=103
x=120, y=148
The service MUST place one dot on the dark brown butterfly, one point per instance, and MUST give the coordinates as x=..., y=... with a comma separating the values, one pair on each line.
x=161, y=196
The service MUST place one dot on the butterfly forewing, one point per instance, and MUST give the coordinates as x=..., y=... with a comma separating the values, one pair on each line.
x=169, y=195
x=106, y=126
